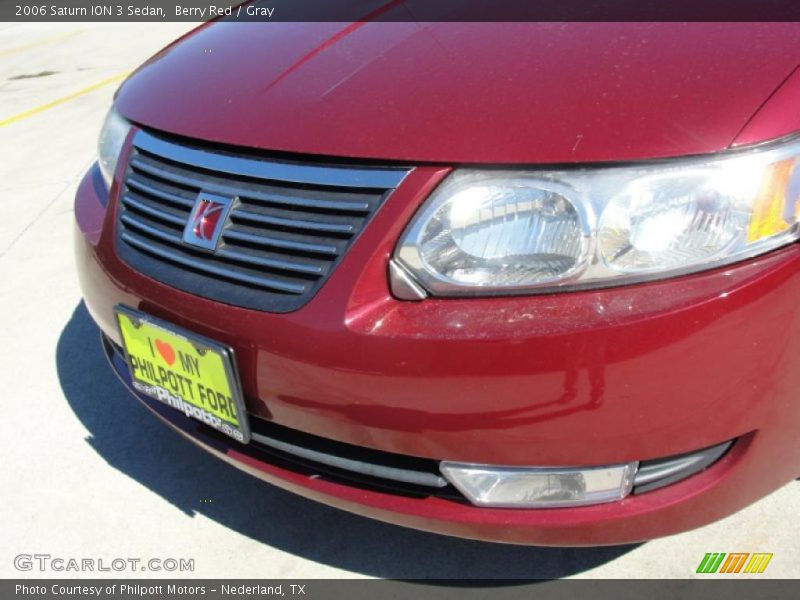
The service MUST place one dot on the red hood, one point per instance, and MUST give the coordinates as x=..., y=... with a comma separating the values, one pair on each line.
x=466, y=92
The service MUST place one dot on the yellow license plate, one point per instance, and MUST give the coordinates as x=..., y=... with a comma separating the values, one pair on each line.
x=185, y=371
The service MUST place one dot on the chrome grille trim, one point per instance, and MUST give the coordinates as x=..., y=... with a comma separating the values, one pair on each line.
x=356, y=466
x=289, y=225
x=232, y=190
x=654, y=474
x=375, y=178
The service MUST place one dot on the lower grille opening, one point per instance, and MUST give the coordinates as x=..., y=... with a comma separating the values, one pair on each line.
x=354, y=466
x=365, y=477
x=660, y=472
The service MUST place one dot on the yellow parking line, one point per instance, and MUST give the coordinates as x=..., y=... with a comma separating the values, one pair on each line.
x=48, y=40
x=56, y=102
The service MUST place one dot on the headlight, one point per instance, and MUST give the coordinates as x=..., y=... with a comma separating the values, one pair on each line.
x=112, y=137
x=504, y=232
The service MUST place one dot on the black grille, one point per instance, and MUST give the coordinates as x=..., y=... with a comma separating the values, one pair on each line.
x=348, y=464
x=289, y=227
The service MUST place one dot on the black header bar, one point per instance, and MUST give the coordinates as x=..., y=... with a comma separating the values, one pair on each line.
x=398, y=10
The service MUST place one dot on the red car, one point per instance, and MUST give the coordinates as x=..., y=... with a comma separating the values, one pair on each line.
x=530, y=283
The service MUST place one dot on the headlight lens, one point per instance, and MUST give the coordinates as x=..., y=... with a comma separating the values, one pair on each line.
x=666, y=222
x=504, y=232
x=112, y=137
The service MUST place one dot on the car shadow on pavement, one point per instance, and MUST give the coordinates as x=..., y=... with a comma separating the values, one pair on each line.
x=131, y=440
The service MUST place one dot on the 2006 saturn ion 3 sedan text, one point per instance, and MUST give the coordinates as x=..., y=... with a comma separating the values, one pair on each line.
x=532, y=283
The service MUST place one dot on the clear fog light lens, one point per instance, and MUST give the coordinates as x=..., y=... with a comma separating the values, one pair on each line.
x=520, y=487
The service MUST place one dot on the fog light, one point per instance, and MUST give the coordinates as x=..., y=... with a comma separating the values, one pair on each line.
x=540, y=487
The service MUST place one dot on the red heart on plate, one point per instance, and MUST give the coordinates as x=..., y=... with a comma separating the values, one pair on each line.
x=166, y=351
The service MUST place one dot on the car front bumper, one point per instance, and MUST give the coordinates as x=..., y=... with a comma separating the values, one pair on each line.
x=583, y=378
